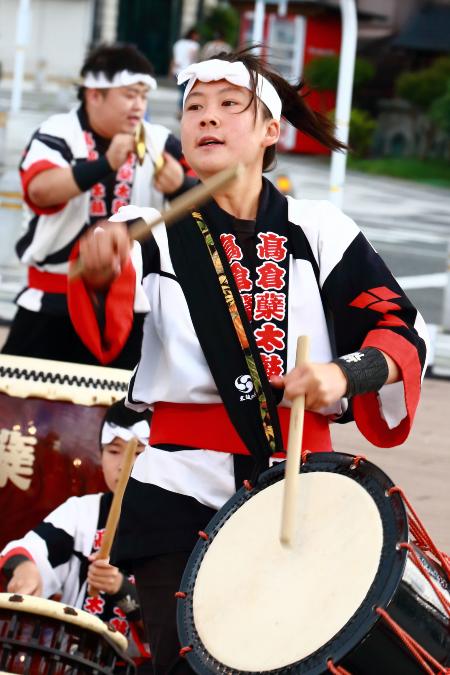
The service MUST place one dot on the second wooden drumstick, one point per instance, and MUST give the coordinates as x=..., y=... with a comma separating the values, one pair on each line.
x=114, y=511
x=294, y=449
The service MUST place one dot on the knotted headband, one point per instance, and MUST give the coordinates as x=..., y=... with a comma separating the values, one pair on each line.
x=140, y=430
x=236, y=73
x=124, y=78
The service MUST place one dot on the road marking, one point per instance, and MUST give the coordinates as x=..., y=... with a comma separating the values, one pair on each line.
x=423, y=281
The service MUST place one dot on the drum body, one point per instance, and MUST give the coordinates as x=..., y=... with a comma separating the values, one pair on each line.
x=245, y=608
x=50, y=419
x=42, y=637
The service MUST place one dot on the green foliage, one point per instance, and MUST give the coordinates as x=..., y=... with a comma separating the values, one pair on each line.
x=322, y=73
x=362, y=128
x=440, y=110
x=425, y=86
x=223, y=19
x=430, y=171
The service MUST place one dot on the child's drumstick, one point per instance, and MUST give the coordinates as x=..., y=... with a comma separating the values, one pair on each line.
x=114, y=511
x=294, y=453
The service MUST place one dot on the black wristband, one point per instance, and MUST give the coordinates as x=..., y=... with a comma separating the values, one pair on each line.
x=86, y=173
x=126, y=598
x=366, y=370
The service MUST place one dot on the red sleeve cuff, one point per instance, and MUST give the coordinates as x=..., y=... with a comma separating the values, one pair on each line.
x=119, y=313
x=26, y=177
x=366, y=407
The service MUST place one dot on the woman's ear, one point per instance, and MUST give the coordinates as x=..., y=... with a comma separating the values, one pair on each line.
x=272, y=133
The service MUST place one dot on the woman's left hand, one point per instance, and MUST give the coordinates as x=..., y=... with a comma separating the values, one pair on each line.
x=322, y=383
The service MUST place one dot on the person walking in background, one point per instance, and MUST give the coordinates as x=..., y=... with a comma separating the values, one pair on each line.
x=78, y=169
x=185, y=52
x=215, y=46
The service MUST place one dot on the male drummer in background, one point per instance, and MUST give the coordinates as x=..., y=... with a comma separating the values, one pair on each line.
x=59, y=556
x=77, y=170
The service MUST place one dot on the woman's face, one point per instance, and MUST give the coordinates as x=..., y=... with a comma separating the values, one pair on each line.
x=218, y=130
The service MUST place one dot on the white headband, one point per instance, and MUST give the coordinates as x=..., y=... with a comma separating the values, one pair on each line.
x=235, y=73
x=122, y=79
x=140, y=430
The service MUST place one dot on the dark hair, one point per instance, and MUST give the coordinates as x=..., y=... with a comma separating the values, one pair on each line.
x=189, y=33
x=111, y=59
x=294, y=107
x=121, y=416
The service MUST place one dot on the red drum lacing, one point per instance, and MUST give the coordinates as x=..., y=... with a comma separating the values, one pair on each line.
x=336, y=670
x=422, y=540
x=421, y=536
x=423, y=657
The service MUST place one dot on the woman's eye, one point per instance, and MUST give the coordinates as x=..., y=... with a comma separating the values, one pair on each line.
x=193, y=106
x=229, y=103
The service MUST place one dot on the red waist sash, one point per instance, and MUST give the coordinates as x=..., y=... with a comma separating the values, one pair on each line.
x=47, y=281
x=208, y=426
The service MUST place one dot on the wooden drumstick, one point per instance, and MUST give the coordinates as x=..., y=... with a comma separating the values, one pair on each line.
x=114, y=511
x=294, y=450
x=198, y=195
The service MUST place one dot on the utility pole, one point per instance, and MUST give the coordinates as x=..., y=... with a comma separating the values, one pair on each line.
x=258, y=22
x=22, y=33
x=108, y=24
x=344, y=97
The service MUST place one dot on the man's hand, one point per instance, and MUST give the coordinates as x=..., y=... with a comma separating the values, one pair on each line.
x=103, y=576
x=322, y=383
x=104, y=250
x=26, y=579
x=170, y=177
x=119, y=149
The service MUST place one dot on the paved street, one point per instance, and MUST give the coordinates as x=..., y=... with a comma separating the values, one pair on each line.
x=409, y=225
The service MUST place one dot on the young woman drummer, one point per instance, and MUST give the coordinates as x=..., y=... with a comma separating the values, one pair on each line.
x=230, y=288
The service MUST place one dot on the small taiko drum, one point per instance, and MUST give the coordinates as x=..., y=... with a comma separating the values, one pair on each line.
x=50, y=419
x=43, y=637
x=359, y=590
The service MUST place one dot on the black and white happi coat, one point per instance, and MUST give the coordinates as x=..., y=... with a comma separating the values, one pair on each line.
x=62, y=141
x=60, y=546
x=339, y=292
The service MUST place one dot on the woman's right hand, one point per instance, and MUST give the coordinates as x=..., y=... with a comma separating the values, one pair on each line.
x=26, y=579
x=104, y=249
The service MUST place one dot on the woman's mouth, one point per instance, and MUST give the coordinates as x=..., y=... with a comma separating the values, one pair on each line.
x=208, y=141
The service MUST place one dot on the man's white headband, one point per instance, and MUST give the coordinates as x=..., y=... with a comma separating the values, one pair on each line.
x=122, y=79
x=235, y=73
x=140, y=430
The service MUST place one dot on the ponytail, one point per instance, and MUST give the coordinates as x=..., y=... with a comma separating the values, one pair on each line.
x=294, y=107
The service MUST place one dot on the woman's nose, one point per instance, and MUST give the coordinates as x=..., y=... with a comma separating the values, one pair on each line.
x=209, y=120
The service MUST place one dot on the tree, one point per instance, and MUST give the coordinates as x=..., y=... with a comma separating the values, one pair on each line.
x=440, y=110
x=322, y=73
x=362, y=129
x=427, y=90
x=222, y=19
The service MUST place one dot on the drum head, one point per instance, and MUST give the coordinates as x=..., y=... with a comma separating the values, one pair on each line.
x=254, y=605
